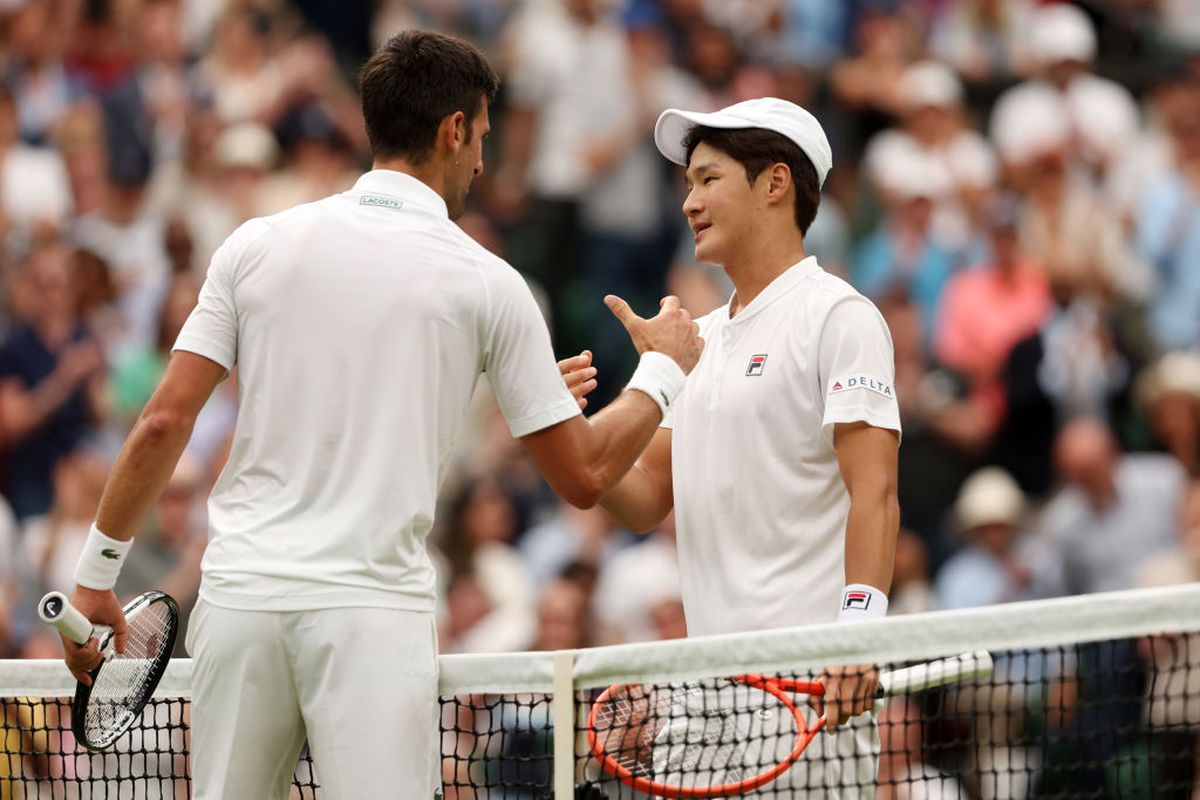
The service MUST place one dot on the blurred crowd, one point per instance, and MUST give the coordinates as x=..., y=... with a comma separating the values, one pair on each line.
x=1016, y=184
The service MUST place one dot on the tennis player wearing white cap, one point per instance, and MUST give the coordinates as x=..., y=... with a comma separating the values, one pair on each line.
x=780, y=454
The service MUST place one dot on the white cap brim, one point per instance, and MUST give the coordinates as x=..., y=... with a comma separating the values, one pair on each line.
x=767, y=113
x=673, y=126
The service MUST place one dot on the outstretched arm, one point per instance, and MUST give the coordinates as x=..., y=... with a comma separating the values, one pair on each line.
x=137, y=479
x=583, y=458
x=644, y=496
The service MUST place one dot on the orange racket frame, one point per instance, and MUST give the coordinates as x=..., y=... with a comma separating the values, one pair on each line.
x=780, y=688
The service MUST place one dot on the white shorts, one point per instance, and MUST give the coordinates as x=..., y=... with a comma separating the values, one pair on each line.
x=359, y=683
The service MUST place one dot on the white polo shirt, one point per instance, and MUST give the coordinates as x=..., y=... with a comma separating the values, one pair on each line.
x=760, y=505
x=359, y=325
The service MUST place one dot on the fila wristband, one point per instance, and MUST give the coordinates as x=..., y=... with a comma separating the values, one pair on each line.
x=101, y=560
x=658, y=376
x=860, y=601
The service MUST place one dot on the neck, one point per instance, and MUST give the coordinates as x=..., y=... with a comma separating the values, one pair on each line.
x=427, y=173
x=764, y=259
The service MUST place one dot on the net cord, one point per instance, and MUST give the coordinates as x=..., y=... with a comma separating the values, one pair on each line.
x=1085, y=618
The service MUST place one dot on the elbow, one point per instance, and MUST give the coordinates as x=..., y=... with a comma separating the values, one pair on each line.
x=583, y=494
x=162, y=426
x=641, y=526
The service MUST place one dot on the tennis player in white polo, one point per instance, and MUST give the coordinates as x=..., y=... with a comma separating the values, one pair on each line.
x=780, y=455
x=359, y=325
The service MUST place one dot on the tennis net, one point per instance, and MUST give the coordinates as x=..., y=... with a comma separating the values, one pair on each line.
x=1088, y=697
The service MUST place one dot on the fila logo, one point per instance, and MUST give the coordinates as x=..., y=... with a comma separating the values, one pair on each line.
x=757, y=362
x=861, y=382
x=857, y=601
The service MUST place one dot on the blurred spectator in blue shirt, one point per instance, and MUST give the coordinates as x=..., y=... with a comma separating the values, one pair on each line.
x=51, y=378
x=1168, y=236
x=902, y=256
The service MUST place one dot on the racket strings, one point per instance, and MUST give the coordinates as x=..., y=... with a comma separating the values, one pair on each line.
x=120, y=687
x=698, y=733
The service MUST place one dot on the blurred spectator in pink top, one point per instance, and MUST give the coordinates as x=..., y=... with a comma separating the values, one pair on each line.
x=985, y=311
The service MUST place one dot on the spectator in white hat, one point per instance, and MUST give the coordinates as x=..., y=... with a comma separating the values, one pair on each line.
x=993, y=564
x=934, y=134
x=1168, y=391
x=1099, y=115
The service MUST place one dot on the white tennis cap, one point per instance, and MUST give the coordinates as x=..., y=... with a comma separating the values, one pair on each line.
x=1061, y=32
x=930, y=83
x=768, y=113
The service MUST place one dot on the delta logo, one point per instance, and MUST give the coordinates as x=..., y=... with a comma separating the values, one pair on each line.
x=757, y=362
x=862, y=382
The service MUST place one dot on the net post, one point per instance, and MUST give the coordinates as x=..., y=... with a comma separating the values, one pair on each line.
x=563, y=710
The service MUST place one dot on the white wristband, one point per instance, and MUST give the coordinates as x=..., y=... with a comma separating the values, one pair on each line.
x=860, y=601
x=101, y=560
x=658, y=376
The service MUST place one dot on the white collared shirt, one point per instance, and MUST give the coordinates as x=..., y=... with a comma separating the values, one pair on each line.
x=359, y=325
x=760, y=506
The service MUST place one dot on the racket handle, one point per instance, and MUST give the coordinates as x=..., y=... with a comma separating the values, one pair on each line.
x=935, y=673
x=55, y=609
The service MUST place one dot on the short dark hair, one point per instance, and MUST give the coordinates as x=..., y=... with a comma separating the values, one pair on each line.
x=413, y=82
x=757, y=149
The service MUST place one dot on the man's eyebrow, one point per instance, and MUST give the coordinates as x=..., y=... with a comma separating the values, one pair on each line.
x=699, y=169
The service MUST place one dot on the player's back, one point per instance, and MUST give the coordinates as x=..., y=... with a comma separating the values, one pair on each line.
x=361, y=325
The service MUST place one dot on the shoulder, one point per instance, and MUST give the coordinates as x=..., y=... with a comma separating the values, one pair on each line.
x=252, y=231
x=1097, y=89
x=1154, y=470
x=833, y=299
x=968, y=281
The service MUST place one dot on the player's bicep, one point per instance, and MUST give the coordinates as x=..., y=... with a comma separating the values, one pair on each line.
x=188, y=382
x=519, y=361
x=867, y=457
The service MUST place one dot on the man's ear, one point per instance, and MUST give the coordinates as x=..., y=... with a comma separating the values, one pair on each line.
x=779, y=180
x=453, y=132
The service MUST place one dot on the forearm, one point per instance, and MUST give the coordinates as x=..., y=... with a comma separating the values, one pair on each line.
x=618, y=435
x=871, y=530
x=639, y=501
x=141, y=472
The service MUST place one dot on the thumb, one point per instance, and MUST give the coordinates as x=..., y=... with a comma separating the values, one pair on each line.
x=620, y=309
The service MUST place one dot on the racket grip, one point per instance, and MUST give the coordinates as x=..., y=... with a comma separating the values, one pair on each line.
x=935, y=673
x=55, y=609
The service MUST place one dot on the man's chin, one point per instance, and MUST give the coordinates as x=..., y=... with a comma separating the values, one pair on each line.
x=707, y=255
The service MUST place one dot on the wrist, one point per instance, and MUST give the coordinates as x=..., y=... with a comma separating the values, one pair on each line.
x=659, y=377
x=860, y=601
x=101, y=561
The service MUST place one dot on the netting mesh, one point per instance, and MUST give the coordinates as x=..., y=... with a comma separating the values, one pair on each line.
x=1108, y=719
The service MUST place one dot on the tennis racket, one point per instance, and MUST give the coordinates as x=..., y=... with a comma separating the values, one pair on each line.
x=123, y=682
x=727, y=736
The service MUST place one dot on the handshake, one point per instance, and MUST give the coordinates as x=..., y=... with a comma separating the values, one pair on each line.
x=671, y=332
